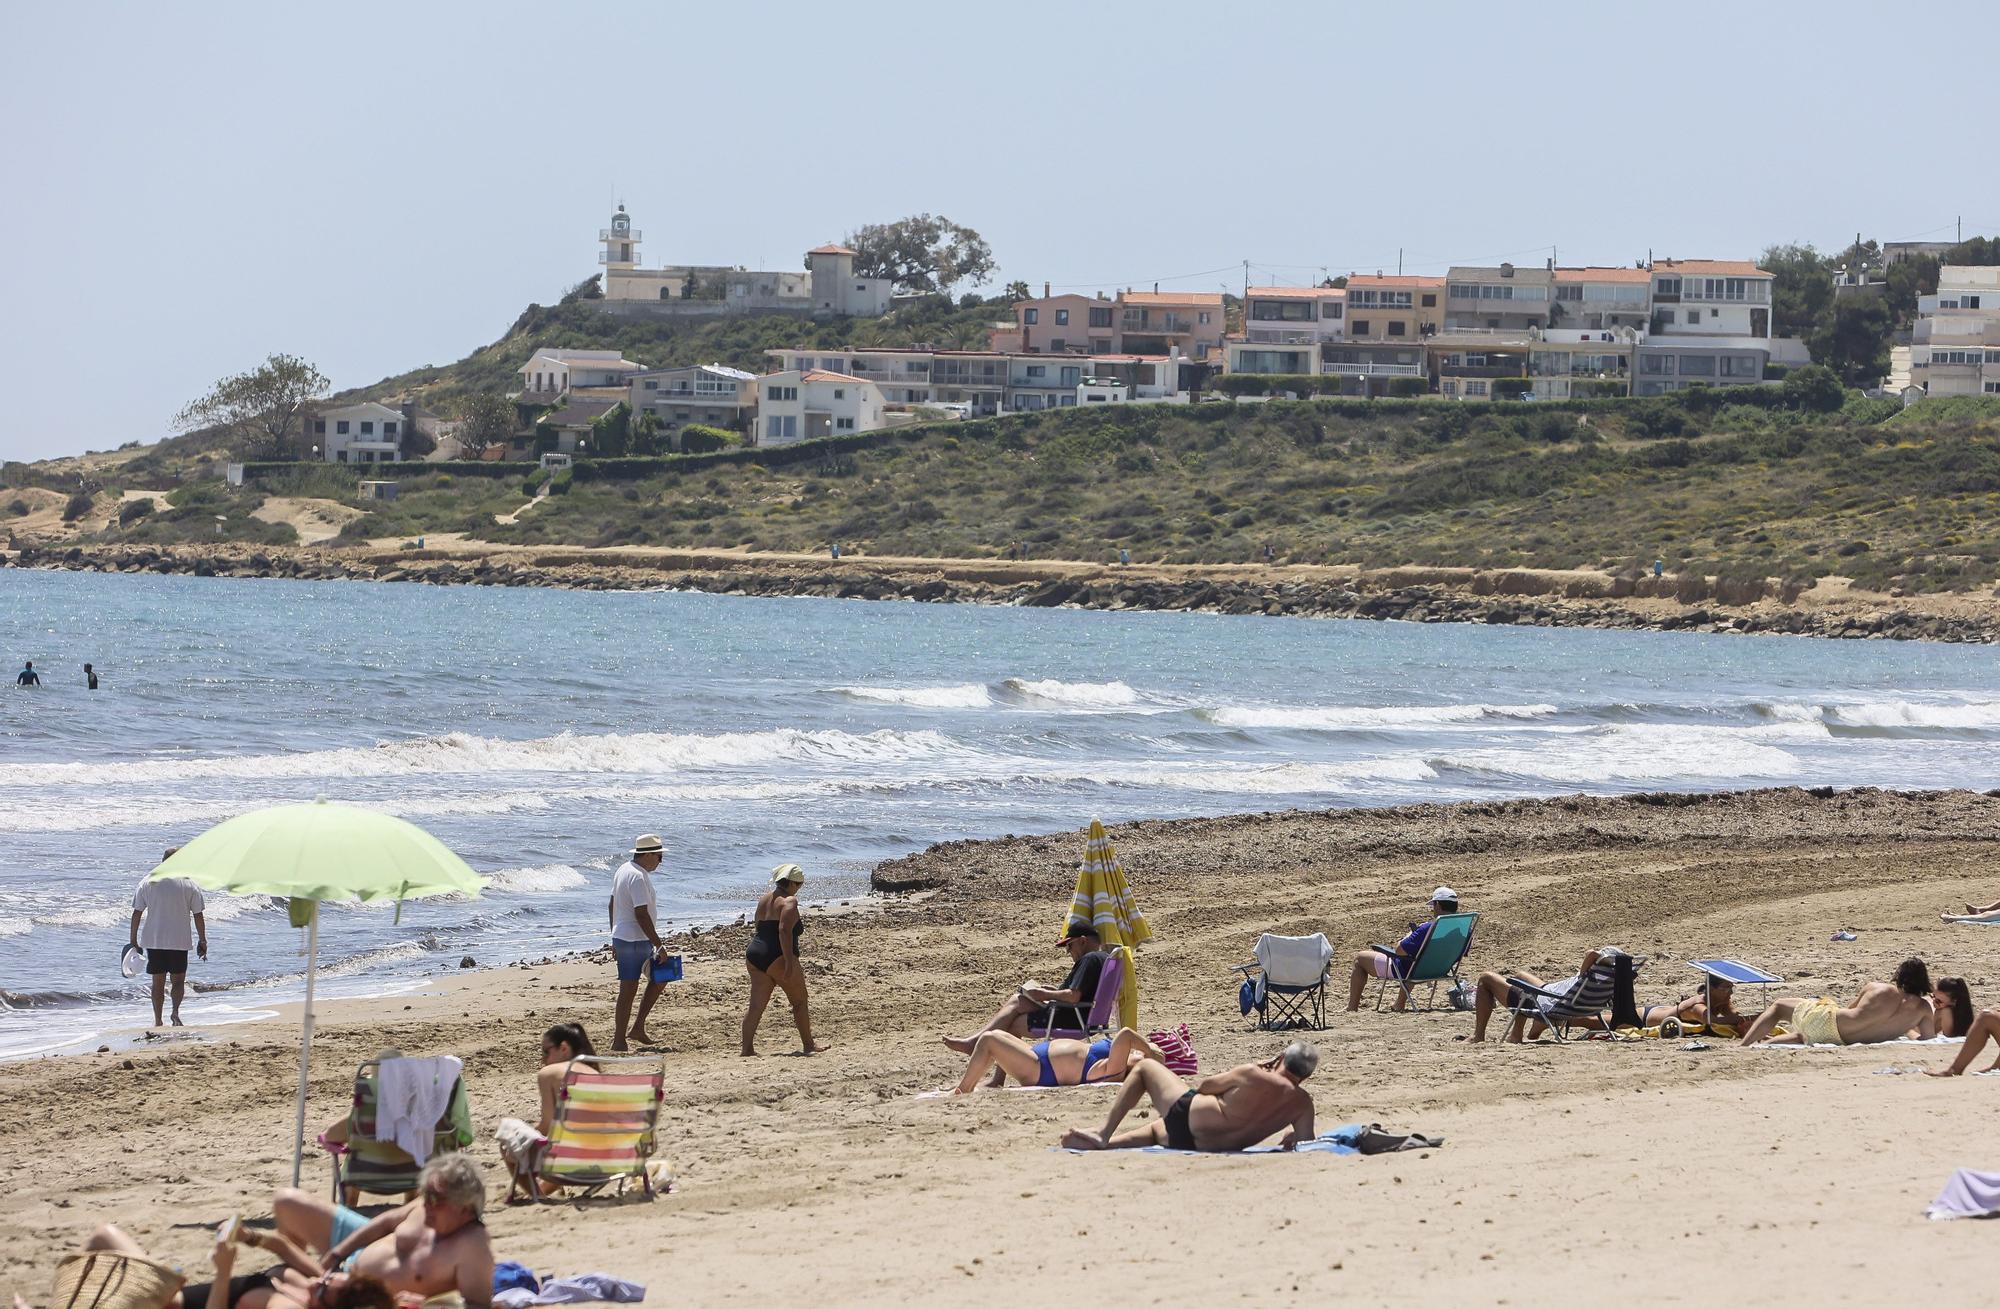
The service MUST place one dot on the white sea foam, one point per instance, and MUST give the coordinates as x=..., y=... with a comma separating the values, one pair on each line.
x=1335, y=718
x=1074, y=695
x=548, y=879
x=1648, y=752
x=460, y=752
x=966, y=695
x=1904, y=713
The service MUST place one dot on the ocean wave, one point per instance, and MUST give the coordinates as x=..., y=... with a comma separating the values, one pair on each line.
x=1644, y=752
x=966, y=695
x=549, y=879
x=1073, y=695
x=1336, y=718
x=462, y=753
x=1963, y=716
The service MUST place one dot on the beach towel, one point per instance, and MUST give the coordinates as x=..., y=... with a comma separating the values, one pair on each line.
x=1340, y=1140
x=410, y=1096
x=1969, y=1194
x=1868, y=1045
x=1990, y=920
x=582, y=1288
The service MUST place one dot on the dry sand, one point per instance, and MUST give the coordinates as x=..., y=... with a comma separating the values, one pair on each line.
x=1665, y=1175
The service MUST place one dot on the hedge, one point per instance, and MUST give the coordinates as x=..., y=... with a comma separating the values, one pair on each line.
x=403, y=468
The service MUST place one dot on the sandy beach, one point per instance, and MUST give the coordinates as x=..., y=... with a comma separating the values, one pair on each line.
x=1671, y=1176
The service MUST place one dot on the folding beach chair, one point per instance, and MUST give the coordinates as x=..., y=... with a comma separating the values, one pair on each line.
x=606, y=1117
x=362, y=1163
x=1103, y=1007
x=1290, y=973
x=1438, y=958
x=1586, y=1001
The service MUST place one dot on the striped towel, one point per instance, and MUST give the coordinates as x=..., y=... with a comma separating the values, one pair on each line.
x=1178, y=1047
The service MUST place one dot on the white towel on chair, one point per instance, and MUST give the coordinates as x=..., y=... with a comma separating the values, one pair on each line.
x=410, y=1096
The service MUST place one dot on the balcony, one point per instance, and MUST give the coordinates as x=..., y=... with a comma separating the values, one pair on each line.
x=1156, y=326
x=1515, y=368
x=1372, y=370
x=1272, y=336
x=994, y=381
x=610, y=234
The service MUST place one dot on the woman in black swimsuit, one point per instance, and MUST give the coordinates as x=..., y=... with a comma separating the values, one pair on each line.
x=773, y=957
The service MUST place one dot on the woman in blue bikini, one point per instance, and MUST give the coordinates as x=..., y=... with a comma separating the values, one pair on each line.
x=1061, y=1062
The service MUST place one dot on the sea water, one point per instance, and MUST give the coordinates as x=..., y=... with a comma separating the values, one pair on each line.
x=537, y=732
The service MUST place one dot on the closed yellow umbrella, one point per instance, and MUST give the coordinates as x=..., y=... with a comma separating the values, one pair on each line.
x=1103, y=899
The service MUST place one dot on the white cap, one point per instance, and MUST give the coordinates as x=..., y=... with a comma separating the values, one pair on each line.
x=1444, y=893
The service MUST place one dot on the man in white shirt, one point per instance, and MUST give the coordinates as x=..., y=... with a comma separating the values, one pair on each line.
x=161, y=913
x=635, y=938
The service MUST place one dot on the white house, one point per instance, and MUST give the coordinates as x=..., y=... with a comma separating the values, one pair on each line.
x=1955, y=346
x=554, y=373
x=802, y=406
x=838, y=291
x=709, y=394
x=366, y=433
x=1103, y=391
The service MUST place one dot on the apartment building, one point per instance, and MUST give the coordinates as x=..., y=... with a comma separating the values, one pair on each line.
x=1955, y=345
x=1709, y=325
x=1601, y=299
x=1502, y=299
x=1464, y=365
x=795, y=406
x=1283, y=327
x=1393, y=307
x=1134, y=322
x=708, y=394
x=985, y=382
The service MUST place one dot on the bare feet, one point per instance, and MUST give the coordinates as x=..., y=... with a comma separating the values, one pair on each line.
x=619, y=1047
x=1940, y=1072
x=747, y=1053
x=1078, y=1139
x=958, y=1044
x=178, y=1022
x=816, y=1047
x=640, y=1036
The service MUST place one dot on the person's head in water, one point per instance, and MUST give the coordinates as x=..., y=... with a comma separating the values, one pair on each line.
x=1913, y=978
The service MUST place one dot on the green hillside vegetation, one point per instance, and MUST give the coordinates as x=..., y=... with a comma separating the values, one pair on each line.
x=578, y=323
x=1889, y=497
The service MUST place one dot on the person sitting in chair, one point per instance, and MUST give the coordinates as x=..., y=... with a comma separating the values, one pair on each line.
x=1045, y=1007
x=1061, y=1062
x=1227, y=1111
x=1376, y=964
x=1495, y=990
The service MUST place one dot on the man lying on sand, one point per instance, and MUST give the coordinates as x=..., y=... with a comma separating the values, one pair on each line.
x=1229, y=1111
x=1061, y=1062
x=1973, y=913
x=428, y=1247
x=1882, y=1012
x=296, y=1283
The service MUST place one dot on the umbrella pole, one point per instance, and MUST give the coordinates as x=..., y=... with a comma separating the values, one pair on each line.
x=305, y=1045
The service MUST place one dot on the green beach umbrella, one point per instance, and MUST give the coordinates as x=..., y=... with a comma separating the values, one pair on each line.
x=313, y=852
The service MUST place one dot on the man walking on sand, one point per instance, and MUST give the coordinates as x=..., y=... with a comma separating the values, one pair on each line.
x=635, y=939
x=161, y=913
x=1228, y=1111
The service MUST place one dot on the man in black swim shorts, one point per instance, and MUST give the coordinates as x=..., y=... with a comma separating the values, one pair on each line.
x=1229, y=1111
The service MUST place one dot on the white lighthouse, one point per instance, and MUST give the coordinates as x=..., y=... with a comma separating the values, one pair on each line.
x=621, y=244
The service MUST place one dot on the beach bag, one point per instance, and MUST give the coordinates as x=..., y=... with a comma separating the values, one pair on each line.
x=1178, y=1047
x=101, y=1279
x=667, y=969
x=1462, y=997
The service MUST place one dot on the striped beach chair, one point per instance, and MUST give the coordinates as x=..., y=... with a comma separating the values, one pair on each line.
x=606, y=1115
x=362, y=1163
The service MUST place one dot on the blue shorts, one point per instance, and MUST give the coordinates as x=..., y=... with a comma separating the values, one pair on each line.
x=633, y=958
x=346, y=1222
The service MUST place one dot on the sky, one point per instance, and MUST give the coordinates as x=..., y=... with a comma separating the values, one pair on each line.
x=186, y=189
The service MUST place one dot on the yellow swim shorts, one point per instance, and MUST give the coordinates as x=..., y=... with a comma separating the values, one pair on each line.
x=1817, y=1022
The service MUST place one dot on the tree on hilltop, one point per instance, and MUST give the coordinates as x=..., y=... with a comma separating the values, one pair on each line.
x=1801, y=290
x=926, y=254
x=260, y=409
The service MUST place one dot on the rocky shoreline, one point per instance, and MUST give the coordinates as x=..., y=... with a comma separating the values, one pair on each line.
x=1521, y=598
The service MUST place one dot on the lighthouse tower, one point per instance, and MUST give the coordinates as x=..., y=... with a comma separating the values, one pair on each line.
x=621, y=245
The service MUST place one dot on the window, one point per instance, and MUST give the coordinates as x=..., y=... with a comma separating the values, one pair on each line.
x=1100, y=317
x=1279, y=311
x=1475, y=387
x=1656, y=365
x=1694, y=316
x=1697, y=365
x=340, y=427
x=1062, y=318
x=319, y=427
x=1059, y=345
x=1100, y=345
x=1740, y=366
x=1358, y=327
x=1667, y=286
x=652, y=385
x=388, y=429
x=1396, y=327
x=1430, y=300
x=1030, y=316
x=1572, y=292
x=1038, y=370
x=1992, y=388
x=1331, y=310
x=784, y=393
x=1970, y=301
x=1202, y=318
x=840, y=393
x=843, y=424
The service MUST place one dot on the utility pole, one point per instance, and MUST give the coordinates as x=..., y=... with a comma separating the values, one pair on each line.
x=1399, y=261
x=1246, y=285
